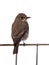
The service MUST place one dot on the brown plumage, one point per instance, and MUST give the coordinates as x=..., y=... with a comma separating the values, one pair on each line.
x=20, y=30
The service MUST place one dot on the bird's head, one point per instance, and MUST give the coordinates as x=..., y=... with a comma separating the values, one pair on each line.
x=22, y=17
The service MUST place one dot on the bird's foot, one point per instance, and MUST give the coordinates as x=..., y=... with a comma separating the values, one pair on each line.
x=24, y=43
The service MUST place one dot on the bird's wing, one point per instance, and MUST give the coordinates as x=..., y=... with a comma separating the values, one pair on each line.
x=19, y=30
x=19, y=34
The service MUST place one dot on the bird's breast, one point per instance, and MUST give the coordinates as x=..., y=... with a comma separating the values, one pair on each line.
x=25, y=36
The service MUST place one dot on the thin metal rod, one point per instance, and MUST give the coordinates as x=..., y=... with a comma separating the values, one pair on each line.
x=34, y=44
x=16, y=60
x=37, y=54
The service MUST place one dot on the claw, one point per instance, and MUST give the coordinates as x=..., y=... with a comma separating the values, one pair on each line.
x=23, y=43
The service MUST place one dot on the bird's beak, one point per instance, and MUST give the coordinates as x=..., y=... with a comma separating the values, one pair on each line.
x=28, y=17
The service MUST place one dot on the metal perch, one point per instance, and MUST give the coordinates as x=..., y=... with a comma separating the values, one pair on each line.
x=37, y=54
x=16, y=60
x=33, y=44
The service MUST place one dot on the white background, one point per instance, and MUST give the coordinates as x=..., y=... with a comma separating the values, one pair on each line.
x=38, y=10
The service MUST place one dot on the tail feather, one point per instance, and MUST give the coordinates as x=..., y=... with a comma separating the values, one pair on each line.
x=15, y=51
x=16, y=42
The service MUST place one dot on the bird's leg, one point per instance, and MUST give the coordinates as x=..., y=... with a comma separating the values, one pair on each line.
x=24, y=43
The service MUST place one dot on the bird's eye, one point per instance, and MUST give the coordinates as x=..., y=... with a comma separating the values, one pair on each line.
x=22, y=17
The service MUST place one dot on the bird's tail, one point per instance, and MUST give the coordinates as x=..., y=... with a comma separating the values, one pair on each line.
x=16, y=45
x=15, y=51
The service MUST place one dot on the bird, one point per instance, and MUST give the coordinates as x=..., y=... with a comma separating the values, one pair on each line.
x=20, y=30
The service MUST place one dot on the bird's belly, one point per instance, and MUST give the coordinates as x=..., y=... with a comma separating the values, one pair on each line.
x=25, y=36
